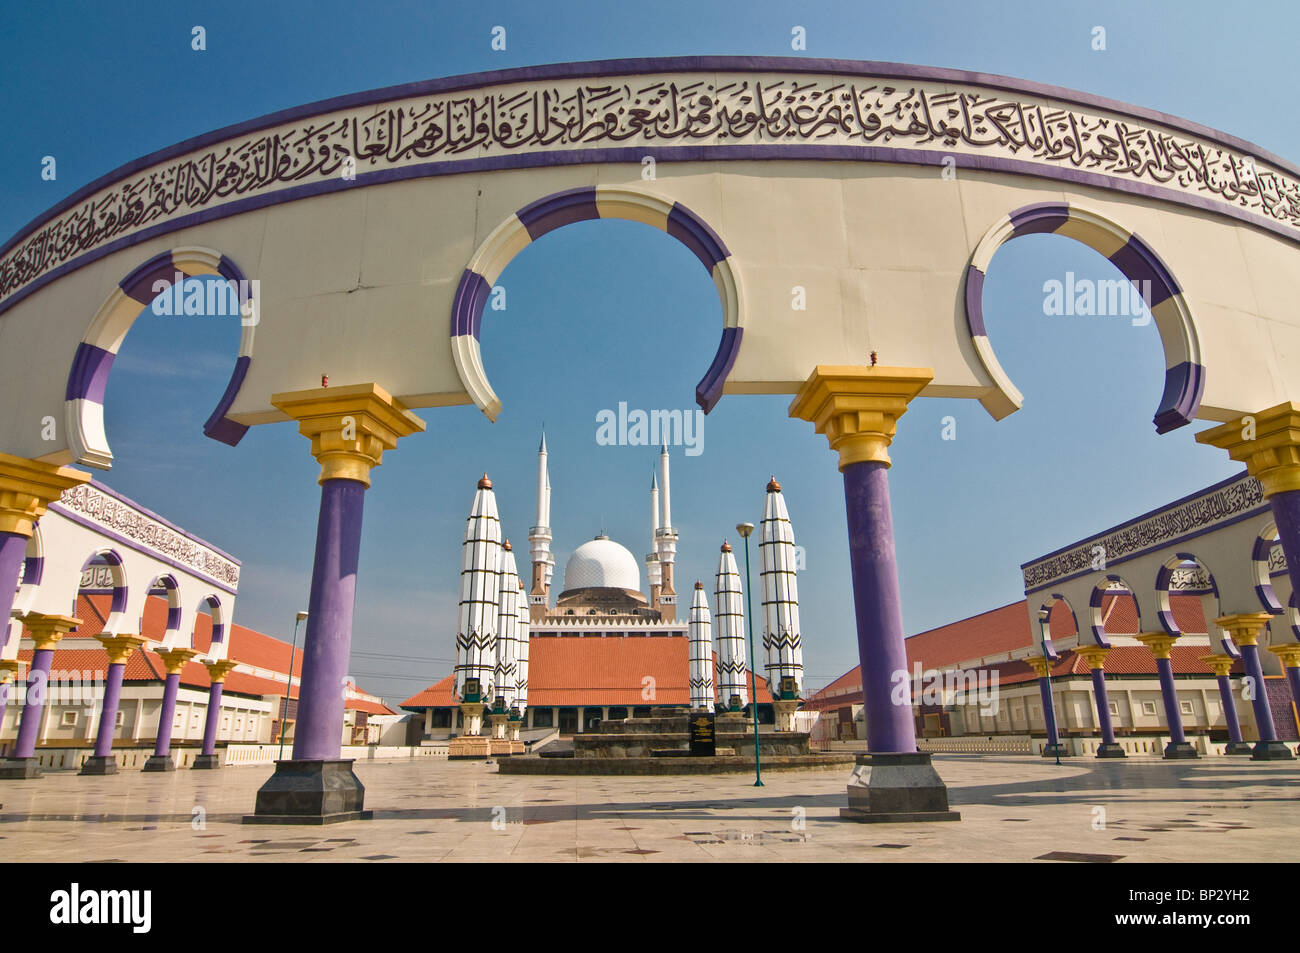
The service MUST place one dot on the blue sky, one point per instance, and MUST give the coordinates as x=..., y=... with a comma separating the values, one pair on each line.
x=604, y=312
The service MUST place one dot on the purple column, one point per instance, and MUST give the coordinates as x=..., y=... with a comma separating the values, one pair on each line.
x=1049, y=710
x=1103, y=706
x=210, y=722
x=34, y=706
x=167, y=716
x=1255, y=672
x=12, y=548
x=878, y=608
x=108, y=711
x=1229, y=708
x=328, y=640
x=1170, y=695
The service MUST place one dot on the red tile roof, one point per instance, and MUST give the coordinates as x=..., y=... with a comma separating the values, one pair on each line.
x=597, y=671
x=364, y=704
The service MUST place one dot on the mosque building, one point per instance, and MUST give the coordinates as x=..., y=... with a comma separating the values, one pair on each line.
x=602, y=647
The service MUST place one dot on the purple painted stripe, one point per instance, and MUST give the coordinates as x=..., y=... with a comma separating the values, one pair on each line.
x=139, y=283
x=1139, y=263
x=1038, y=218
x=33, y=570
x=693, y=232
x=1184, y=386
x=89, y=375
x=218, y=426
x=664, y=154
x=975, y=301
x=467, y=307
x=119, y=599
x=709, y=391
x=173, y=618
x=562, y=208
x=138, y=547
x=218, y=632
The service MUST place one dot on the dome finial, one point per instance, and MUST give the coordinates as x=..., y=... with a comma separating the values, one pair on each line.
x=484, y=483
x=773, y=486
x=726, y=546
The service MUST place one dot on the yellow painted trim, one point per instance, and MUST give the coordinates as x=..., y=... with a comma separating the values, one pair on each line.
x=1160, y=643
x=1093, y=656
x=1039, y=664
x=1272, y=452
x=1222, y=664
x=8, y=670
x=46, y=629
x=120, y=647
x=27, y=487
x=217, y=671
x=1289, y=654
x=174, y=659
x=1244, y=627
x=857, y=407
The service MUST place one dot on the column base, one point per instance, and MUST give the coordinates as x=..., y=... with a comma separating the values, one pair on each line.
x=468, y=747
x=1055, y=751
x=1271, y=751
x=160, y=763
x=206, y=762
x=97, y=765
x=1111, y=750
x=897, y=788
x=1180, y=751
x=20, y=769
x=1238, y=747
x=310, y=792
x=784, y=710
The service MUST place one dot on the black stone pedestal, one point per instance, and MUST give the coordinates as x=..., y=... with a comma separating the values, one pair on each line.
x=310, y=792
x=19, y=769
x=206, y=762
x=1271, y=751
x=1239, y=747
x=1180, y=750
x=1111, y=750
x=97, y=765
x=898, y=788
x=1055, y=751
x=160, y=763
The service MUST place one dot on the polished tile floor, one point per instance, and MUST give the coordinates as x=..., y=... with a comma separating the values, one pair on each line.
x=1013, y=809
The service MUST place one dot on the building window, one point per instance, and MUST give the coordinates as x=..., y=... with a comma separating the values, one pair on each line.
x=1114, y=708
x=225, y=723
x=1185, y=708
x=1148, y=708
x=542, y=718
x=69, y=719
x=120, y=720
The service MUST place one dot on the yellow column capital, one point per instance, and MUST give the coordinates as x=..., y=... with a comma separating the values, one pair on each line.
x=1159, y=643
x=27, y=487
x=120, y=647
x=46, y=629
x=217, y=671
x=1267, y=442
x=174, y=659
x=1221, y=664
x=1244, y=627
x=1039, y=664
x=1289, y=654
x=1094, y=656
x=857, y=407
x=349, y=427
x=8, y=670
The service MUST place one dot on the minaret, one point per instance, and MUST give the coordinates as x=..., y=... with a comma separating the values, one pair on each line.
x=477, y=635
x=507, y=626
x=652, y=558
x=666, y=542
x=730, y=606
x=522, y=632
x=781, y=638
x=539, y=539
x=701, y=651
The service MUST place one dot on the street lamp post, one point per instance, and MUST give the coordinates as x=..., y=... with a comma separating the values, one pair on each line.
x=1051, y=699
x=284, y=712
x=744, y=529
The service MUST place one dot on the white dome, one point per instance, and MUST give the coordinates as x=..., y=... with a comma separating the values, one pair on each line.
x=602, y=563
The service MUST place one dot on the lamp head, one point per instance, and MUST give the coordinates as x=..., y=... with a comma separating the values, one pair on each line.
x=744, y=529
x=300, y=616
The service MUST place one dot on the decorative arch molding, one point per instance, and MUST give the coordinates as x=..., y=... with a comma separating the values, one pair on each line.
x=1260, y=556
x=1184, y=373
x=1111, y=585
x=1165, y=584
x=171, y=588
x=113, y=625
x=1045, y=622
x=88, y=376
x=577, y=205
x=218, y=613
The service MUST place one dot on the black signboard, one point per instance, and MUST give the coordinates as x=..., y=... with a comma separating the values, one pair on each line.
x=703, y=739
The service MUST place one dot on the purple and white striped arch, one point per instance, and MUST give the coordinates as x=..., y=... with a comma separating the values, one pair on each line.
x=112, y=559
x=578, y=205
x=88, y=377
x=1184, y=372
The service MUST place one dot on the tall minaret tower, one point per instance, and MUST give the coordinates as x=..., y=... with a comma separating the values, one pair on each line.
x=652, y=558
x=701, y=651
x=522, y=633
x=539, y=539
x=666, y=542
x=728, y=601
x=781, y=638
x=476, y=638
